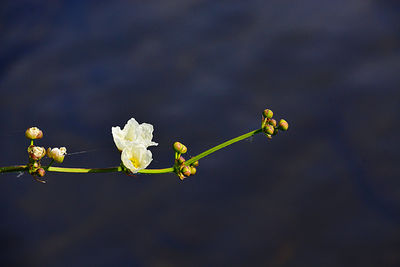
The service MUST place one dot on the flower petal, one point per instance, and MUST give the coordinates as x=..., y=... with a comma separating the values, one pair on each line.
x=136, y=157
x=133, y=132
x=146, y=133
x=118, y=137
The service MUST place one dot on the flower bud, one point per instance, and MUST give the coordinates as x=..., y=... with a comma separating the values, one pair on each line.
x=272, y=122
x=181, y=176
x=181, y=160
x=36, y=152
x=180, y=148
x=195, y=164
x=283, y=125
x=268, y=129
x=33, y=133
x=192, y=170
x=185, y=170
x=267, y=113
x=40, y=172
x=35, y=165
x=57, y=154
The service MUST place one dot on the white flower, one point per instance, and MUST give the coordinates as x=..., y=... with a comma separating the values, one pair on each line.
x=135, y=157
x=133, y=132
x=133, y=141
x=57, y=154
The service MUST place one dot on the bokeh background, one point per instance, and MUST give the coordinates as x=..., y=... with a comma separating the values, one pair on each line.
x=326, y=193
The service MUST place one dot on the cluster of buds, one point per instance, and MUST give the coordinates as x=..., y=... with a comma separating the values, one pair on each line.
x=269, y=125
x=181, y=169
x=36, y=170
x=36, y=153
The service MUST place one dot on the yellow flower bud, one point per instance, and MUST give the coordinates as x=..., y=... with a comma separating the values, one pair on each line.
x=180, y=148
x=267, y=113
x=272, y=122
x=268, y=129
x=33, y=133
x=195, y=164
x=185, y=170
x=283, y=125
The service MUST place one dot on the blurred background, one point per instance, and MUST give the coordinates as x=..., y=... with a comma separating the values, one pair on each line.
x=326, y=193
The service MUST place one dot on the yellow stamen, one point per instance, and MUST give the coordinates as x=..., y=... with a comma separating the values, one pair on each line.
x=135, y=162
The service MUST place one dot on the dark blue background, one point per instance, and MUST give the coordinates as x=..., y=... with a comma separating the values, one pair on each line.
x=326, y=193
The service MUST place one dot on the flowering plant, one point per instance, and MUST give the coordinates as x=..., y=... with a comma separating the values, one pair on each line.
x=133, y=142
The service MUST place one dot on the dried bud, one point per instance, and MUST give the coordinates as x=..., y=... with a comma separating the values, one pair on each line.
x=272, y=122
x=35, y=165
x=268, y=129
x=36, y=152
x=181, y=160
x=33, y=133
x=57, y=154
x=185, y=170
x=40, y=172
x=192, y=170
x=195, y=164
x=283, y=125
x=268, y=113
x=181, y=176
x=180, y=148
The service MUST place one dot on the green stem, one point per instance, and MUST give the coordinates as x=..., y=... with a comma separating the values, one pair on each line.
x=165, y=170
x=19, y=168
x=48, y=166
x=220, y=146
x=83, y=170
x=111, y=169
